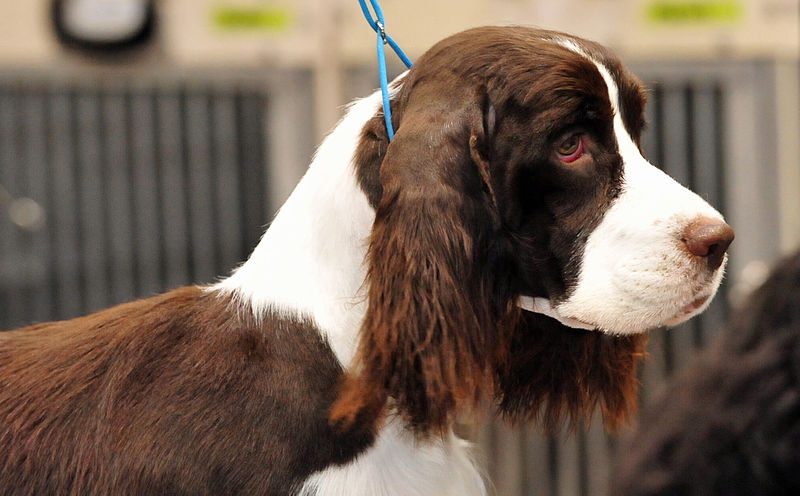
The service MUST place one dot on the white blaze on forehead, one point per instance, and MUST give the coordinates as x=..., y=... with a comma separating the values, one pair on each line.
x=624, y=141
x=634, y=273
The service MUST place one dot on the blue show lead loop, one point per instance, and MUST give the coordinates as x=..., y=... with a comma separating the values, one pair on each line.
x=378, y=25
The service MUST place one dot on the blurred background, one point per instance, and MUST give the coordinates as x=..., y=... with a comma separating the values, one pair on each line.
x=146, y=144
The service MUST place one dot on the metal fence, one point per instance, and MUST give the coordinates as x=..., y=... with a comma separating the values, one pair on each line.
x=143, y=186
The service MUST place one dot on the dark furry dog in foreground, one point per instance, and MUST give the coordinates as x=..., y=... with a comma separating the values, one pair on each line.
x=730, y=424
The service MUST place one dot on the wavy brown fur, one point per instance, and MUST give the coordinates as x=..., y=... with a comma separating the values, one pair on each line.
x=176, y=394
x=436, y=315
x=558, y=375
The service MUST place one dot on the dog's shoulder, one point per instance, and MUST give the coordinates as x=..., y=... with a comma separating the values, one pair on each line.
x=135, y=384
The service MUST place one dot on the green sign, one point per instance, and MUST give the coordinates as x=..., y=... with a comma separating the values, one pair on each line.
x=697, y=11
x=251, y=17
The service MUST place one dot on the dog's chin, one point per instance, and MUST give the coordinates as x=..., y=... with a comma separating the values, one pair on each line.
x=645, y=321
x=635, y=314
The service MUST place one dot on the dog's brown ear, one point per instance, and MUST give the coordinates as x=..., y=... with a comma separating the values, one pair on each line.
x=430, y=335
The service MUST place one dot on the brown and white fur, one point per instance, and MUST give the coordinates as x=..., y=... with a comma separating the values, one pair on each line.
x=472, y=259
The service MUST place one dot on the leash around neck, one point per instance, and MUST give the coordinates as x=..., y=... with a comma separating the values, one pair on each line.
x=379, y=26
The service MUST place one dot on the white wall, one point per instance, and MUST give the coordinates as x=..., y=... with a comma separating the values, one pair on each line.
x=190, y=36
x=25, y=37
x=764, y=27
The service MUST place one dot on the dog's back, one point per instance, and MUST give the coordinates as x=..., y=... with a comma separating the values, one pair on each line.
x=122, y=400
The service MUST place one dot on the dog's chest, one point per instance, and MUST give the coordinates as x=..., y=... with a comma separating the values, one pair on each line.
x=400, y=465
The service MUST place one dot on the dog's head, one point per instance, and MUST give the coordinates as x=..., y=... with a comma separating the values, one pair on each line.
x=515, y=172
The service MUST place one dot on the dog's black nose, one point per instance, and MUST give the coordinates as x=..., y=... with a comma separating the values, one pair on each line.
x=708, y=238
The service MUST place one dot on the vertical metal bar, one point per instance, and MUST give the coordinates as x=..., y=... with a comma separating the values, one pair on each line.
x=48, y=174
x=158, y=166
x=526, y=452
x=263, y=145
x=146, y=196
x=553, y=467
x=33, y=159
x=91, y=181
x=786, y=91
x=249, y=133
x=653, y=140
x=213, y=199
x=181, y=135
x=568, y=464
x=537, y=460
x=63, y=222
x=246, y=177
x=173, y=203
x=127, y=128
x=118, y=200
x=508, y=461
x=598, y=457
x=690, y=135
x=228, y=190
x=80, y=228
x=201, y=184
x=24, y=292
x=11, y=245
x=583, y=461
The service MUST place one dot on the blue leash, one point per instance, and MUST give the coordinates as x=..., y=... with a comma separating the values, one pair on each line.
x=379, y=26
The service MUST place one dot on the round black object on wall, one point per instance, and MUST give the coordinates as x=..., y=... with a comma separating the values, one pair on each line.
x=104, y=25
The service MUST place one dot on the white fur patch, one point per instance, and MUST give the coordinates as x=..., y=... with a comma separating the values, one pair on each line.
x=311, y=260
x=399, y=465
x=635, y=275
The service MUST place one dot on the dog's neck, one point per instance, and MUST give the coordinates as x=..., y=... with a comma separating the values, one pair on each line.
x=311, y=260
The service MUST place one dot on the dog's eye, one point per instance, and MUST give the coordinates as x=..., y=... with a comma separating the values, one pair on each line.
x=571, y=148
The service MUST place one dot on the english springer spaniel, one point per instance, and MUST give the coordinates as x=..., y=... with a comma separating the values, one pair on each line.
x=510, y=244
